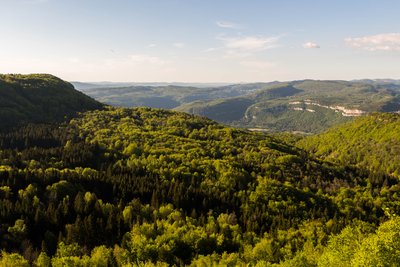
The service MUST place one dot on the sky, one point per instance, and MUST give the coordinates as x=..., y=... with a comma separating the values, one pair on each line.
x=201, y=40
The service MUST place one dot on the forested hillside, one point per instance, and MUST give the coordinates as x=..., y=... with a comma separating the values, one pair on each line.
x=123, y=187
x=200, y=133
x=39, y=98
x=310, y=106
x=371, y=143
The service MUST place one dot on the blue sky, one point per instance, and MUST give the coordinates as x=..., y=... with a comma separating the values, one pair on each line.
x=201, y=40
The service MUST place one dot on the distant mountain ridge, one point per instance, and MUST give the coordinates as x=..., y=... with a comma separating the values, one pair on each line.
x=379, y=81
x=39, y=98
x=82, y=86
x=167, y=96
x=308, y=106
x=154, y=187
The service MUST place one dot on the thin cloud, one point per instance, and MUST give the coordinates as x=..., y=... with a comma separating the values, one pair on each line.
x=228, y=25
x=379, y=42
x=311, y=45
x=211, y=49
x=257, y=64
x=179, y=45
x=250, y=43
x=146, y=59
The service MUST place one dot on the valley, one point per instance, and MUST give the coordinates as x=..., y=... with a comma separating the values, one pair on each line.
x=200, y=133
x=107, y=186
x=309, y=106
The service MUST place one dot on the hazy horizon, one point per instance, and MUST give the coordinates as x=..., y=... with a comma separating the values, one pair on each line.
x=230, y=83
x=227, y=83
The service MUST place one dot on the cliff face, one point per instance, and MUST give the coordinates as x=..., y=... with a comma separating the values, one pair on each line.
x=346, y=112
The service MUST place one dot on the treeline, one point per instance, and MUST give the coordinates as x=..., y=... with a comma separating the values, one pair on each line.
x=149, y=186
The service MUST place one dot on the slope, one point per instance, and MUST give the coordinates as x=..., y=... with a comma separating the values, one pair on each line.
x=307, y=106
x=371, y=142
x=39, y=98
x=140, y=185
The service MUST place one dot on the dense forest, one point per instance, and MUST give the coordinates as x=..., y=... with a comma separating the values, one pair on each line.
x=136, y=186
x=39, y=98
x=371, y=142
x=151, y=187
